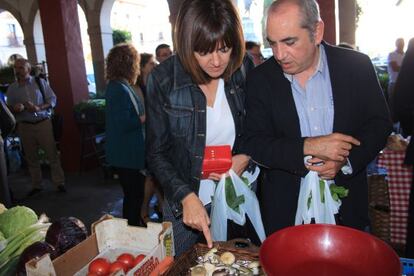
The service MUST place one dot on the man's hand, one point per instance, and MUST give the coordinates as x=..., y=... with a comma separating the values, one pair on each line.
x=31, y=107
x=195, y=216
x=335, y=146
x=239, y=164
x=326, y=169
x=18, y=108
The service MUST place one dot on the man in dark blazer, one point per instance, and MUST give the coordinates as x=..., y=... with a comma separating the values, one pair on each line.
x=312, y=99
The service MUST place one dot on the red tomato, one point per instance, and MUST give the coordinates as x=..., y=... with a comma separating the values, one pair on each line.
x=116, y=266
x=138, y=259
x=127, y=259
x=99, y=266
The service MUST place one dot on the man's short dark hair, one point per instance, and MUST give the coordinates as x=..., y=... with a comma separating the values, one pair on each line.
x=251, y=44
x=159, y=47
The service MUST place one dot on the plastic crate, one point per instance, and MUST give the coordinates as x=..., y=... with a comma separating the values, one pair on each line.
x=407, y=266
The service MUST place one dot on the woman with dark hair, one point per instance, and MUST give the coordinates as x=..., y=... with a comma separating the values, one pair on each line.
x=146, y=65
x=196, y=99
x=124, y=132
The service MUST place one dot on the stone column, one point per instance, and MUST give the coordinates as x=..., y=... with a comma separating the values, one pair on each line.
x=98, y=57
x=66, y=67
x=101, y=43
x=30, y=48
x=347, y=21
x=328, y=14
x=100, y=37
x=174, y=6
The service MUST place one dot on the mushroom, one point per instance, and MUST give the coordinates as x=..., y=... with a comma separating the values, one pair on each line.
x=227, y=258
x=198, y=271
x=209, y=268
x=253, y=264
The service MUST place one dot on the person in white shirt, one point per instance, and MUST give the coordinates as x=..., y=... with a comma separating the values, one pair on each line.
x=395, y=59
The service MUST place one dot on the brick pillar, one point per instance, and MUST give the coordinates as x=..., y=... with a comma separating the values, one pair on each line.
x=66, y=68
x=328, y=14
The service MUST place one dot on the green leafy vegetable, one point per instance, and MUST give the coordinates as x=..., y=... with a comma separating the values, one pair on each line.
x=337, y=192
x=10, y=268
x=16, y=219
x=19, y=241
x=233, y=201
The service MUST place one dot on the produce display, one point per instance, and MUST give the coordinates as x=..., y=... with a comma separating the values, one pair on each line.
x=103, y=266
x=20, y=227
x=36, y=250
x=15, y=219
x=25, y=236
x=112, y=263
x=129, y=260
x=99, y=266
x=65, y=233
x=224, y=264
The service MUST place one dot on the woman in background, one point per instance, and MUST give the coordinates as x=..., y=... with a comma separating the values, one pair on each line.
x=124, y=133
x=146, y=65
x=152, y=187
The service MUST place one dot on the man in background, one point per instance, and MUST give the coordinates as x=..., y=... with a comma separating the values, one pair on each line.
x=162, y=52
x=395, y=59
x=253, y=50
x=31, y=101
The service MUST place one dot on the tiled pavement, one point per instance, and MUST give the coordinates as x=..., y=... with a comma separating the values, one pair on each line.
x=89, y=196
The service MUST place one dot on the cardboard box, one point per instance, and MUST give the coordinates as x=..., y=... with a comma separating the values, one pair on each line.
x=110, y=238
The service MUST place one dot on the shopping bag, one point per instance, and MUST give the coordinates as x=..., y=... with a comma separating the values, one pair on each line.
x=311, y=205
x=223, y=210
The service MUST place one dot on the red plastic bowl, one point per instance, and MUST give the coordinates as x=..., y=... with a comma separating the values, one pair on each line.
x=321, y=249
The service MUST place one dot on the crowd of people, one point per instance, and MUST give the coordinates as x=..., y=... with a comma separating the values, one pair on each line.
x=311, y=108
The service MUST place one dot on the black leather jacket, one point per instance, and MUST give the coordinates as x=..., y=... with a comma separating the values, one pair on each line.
x=176, y=127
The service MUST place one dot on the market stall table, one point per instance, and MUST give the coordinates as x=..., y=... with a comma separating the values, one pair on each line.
x=399, y=183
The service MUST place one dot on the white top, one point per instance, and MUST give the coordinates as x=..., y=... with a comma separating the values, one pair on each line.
x=220, y=130
x=398, y=58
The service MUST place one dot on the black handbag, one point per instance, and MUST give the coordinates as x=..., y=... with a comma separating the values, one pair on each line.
x=57, y=119
x=7, y=121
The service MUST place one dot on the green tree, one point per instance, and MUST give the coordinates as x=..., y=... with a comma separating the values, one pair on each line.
x=120, y=36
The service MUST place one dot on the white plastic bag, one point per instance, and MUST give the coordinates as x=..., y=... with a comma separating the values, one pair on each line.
x=322, y=212
x=220, y=211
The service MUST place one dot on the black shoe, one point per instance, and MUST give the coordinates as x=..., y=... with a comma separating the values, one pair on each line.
x=34, y=192
x=61, y=188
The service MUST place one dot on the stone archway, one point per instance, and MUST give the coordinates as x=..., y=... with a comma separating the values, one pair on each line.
x=98, y=14
x=38, y=40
